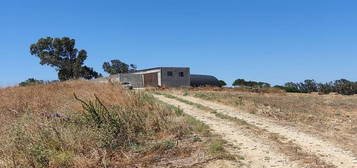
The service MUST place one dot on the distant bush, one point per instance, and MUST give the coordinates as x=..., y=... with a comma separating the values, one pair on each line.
x=222, y=83
x=250, y=84
x=31, y=81
x=342, y=86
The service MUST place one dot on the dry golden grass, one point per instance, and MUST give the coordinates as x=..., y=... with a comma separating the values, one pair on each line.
x=331, y=116
x=56, y=97
x=45, y=126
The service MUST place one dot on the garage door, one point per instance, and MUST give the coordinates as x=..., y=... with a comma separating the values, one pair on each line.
x=151, y=79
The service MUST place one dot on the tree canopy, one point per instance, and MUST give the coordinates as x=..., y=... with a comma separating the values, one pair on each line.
x=250, y=84
x=116, y=66
x=222, y=83
x=341, y=86
x=61, y=54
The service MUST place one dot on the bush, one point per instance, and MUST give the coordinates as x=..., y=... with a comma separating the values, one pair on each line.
x=250, y=84
x=222, y=83
x=31, y=81
x=342, y=86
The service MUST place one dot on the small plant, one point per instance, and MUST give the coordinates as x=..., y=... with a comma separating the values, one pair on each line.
x=178, y=111
x=239, y=102
x=216, y=146
x=169, y=144
x=198, y=126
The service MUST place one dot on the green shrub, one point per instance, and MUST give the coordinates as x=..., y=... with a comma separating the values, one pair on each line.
x=169, y=144
x=31, y=81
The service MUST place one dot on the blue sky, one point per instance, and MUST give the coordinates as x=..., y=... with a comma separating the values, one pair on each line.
x=275, y=41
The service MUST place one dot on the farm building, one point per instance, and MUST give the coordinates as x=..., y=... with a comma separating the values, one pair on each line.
x=166, y=76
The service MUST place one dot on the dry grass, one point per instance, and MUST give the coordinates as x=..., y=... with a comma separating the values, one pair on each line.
x=45, y=126
x=331, y=116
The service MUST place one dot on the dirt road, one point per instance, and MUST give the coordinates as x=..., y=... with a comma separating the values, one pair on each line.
x=258, y=152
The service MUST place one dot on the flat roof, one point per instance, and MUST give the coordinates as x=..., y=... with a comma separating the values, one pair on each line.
x=142, y=70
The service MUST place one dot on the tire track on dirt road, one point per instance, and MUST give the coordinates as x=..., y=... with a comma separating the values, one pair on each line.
x=257, y=153
x=326, y=151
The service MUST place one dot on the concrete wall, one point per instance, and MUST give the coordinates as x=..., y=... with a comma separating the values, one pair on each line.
x=175, y=80
x=136, y=80
x=111, y=78
x=158, y=71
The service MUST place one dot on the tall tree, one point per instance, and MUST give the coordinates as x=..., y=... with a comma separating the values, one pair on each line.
x=61, y=54
x=117, y=66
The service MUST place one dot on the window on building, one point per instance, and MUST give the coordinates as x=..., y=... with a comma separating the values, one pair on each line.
x=181, y=74
x=169, y=73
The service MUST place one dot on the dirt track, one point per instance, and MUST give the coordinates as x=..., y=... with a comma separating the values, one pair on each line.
x=257, y=152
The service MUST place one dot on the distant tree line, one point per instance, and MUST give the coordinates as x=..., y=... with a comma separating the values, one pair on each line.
x=250, y=84
x=33, y=81
x=342, y=86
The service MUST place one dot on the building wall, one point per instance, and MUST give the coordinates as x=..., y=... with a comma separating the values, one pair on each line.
x=175, y=80
x=111, y=78
x=158, y=71
x=136, y=80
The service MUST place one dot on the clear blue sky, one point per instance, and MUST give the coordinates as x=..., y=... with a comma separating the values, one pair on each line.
x=266, y=40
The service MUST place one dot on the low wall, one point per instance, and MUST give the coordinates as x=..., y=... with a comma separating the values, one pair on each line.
x=136, y=80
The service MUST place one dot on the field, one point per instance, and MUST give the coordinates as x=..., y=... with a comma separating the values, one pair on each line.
x=87, y=124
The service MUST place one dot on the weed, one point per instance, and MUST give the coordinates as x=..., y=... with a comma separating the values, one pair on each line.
x=216, y=146
x=169, y=144
x=178, y=111
x=198, y=126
